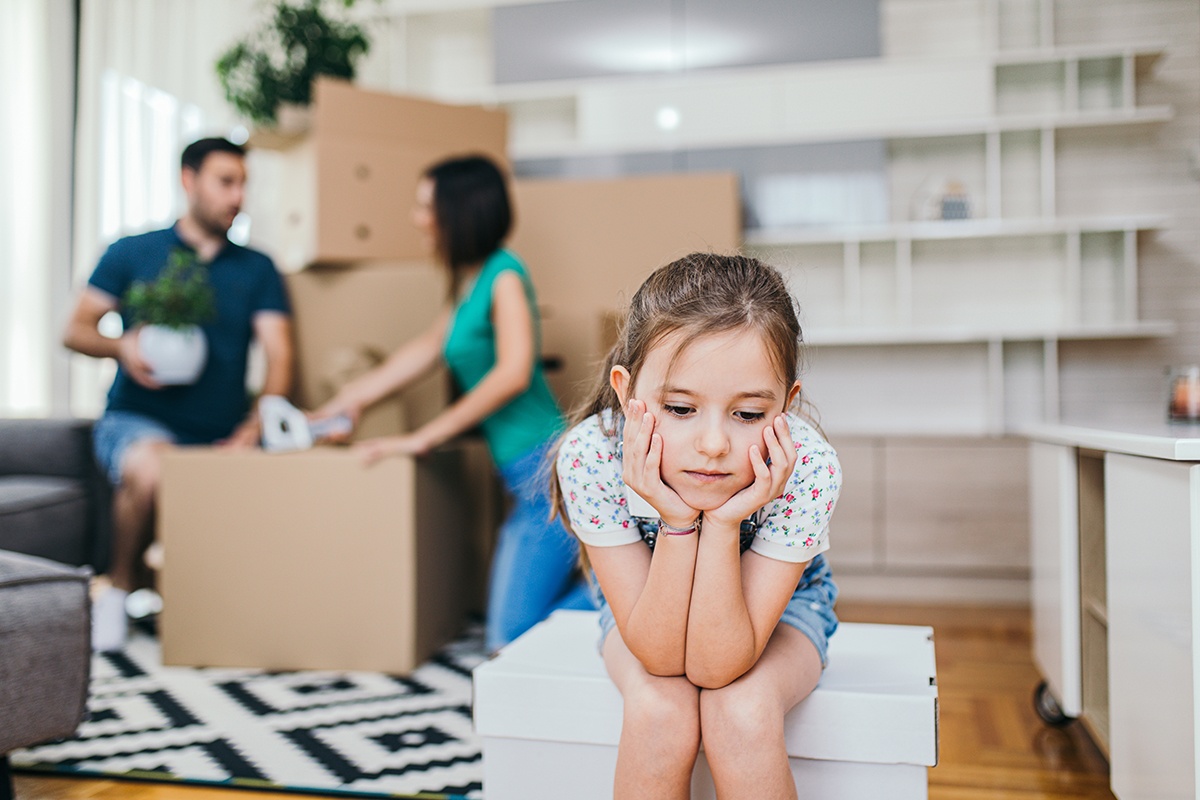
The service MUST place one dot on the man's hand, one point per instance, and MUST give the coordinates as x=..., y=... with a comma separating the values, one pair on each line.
x=642, y=467
x=132, y=362
x=768, y=480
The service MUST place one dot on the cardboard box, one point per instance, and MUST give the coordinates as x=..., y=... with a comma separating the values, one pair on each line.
x=589, y=244
x=311, y=560
x=347, y=320
x=344, y=191
x=550, y=716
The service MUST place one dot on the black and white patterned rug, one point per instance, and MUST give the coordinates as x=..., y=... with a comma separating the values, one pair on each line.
x=357, y=733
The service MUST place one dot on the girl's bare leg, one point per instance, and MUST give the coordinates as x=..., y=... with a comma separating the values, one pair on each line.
x=742, y=723
x=660, y=736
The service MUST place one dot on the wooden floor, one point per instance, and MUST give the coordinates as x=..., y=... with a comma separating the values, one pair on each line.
x=992, y=744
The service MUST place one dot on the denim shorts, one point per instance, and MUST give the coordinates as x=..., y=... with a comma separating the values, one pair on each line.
x=116, y=431
x=810, y=610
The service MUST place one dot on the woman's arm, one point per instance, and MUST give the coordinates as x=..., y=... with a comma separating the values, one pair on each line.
x=649, y=595
x=508, y=377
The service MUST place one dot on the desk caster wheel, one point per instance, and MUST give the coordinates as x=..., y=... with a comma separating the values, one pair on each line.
x=1047, y=707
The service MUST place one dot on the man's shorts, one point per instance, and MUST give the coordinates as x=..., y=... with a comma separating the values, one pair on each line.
x=116, y=431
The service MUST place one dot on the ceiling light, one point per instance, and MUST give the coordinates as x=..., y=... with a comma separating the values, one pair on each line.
x=667, y=118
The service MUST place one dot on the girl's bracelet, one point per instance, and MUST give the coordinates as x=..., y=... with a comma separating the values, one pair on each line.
x=671, y=530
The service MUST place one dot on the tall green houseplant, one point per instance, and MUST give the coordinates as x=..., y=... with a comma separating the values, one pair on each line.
x=299, y=40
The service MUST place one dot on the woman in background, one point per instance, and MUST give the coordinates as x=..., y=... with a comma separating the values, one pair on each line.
x=489, y=335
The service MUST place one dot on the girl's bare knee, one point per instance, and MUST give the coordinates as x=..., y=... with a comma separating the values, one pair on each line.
x=664, y=714
x=739, y=714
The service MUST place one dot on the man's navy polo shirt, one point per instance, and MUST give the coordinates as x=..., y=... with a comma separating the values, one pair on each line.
x=244, y=283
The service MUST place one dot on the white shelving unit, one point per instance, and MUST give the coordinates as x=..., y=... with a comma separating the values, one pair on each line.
x=996, y=292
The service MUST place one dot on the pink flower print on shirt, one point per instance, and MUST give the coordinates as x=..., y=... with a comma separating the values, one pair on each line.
x=595, y=519
x=816, y=493
x=576, y=463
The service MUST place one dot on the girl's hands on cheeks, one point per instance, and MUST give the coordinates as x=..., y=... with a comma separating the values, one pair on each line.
x=642, y=467
x=768, y=480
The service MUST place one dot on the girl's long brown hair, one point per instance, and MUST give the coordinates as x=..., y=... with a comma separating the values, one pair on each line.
x=700, y=294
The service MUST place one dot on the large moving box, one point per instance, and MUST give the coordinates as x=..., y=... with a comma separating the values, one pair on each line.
x=344, y=191
x=312, y=560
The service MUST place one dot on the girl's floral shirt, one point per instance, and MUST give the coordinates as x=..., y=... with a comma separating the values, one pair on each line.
x=795, y=527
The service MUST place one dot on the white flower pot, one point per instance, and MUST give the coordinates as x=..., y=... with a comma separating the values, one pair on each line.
x=176, y=355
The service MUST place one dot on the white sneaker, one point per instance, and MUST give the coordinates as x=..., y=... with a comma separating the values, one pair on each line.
x=110, y=626
x=142, y=603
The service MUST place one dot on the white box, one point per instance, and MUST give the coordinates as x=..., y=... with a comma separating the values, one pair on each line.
x=550, y=717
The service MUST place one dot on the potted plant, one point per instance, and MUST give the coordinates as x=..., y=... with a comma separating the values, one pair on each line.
x=170, y=311
x=276, y=63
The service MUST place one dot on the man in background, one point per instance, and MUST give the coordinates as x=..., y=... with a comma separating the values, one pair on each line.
x=143, y=419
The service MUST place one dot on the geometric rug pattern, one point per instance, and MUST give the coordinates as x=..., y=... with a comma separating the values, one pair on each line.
x=356, y=733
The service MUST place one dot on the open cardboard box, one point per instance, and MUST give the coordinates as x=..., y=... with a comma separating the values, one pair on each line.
x=312, y=560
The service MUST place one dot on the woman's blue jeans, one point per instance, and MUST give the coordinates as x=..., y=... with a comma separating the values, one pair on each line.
x=534, y=566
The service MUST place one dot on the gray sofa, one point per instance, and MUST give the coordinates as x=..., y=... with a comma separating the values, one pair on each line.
x=54, y=502
x=54, y=523
x=45, y=653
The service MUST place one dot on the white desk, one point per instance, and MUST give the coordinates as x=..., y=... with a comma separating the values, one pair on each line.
x=1115, y=531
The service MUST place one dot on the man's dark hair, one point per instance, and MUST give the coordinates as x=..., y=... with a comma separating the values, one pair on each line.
x=471, y=206
x=195, y=153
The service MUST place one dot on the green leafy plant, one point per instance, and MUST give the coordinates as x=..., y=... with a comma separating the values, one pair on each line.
x=180, y=296
x=277, y=63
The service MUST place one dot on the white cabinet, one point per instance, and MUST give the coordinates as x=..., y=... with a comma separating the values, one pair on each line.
x=1054, y=568
x=1115, y=514
x=1153, y=531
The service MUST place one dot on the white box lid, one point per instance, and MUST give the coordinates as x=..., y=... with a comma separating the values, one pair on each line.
x=876, y=701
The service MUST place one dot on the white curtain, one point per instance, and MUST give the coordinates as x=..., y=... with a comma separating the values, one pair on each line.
x=147, y=87
x=36, y=99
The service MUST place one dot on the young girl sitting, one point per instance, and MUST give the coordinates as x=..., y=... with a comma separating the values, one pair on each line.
x=703, y=505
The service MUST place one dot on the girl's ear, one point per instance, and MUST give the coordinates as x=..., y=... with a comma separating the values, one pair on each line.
x=618, y=379
x=793, y=393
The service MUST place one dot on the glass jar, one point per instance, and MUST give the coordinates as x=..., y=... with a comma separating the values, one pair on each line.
x=1183, y=394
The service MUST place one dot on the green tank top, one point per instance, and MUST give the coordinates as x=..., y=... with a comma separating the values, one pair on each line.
x=532, y=417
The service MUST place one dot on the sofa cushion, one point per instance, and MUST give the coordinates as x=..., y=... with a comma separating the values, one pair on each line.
x=45, y=651
x=61, y=447
x=43, y=516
